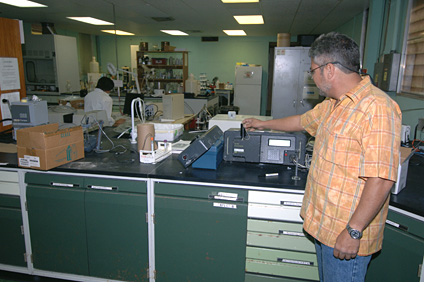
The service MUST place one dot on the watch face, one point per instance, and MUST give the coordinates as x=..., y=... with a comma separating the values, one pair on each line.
x=355, y=234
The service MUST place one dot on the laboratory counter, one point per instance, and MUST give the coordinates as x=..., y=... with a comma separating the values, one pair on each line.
x=120, y=163
x=238, y=223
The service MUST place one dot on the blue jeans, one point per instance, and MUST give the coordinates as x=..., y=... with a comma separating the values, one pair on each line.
x=332, y=269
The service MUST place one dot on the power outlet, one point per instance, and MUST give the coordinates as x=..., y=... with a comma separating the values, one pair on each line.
x=420, y=124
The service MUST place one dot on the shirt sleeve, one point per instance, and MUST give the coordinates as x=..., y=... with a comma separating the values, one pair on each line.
x=381, y=141
x=312, y=118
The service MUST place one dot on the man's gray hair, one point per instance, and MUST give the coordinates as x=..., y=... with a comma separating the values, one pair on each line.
x=336, y=48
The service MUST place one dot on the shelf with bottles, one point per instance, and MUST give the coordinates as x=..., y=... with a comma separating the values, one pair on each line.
x=161, y=66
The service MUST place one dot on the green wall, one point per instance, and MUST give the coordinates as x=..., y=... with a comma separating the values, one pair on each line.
x=385, y=27
x=385, y=32
x=216, y=59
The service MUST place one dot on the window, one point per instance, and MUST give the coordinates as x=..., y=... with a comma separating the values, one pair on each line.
x=413, y=72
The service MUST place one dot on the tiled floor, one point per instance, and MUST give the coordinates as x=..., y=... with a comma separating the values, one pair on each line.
x=6, y=276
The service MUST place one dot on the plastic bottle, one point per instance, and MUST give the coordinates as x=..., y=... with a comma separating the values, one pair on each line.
x=94, y=66
x=191, y=84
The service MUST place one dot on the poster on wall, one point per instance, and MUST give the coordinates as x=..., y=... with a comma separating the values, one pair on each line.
x=9, y=74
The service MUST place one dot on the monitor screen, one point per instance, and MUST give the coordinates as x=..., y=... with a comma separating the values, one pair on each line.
x=128, y=99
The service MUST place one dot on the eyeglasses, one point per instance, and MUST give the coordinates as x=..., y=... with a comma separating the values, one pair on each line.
x=311, y=72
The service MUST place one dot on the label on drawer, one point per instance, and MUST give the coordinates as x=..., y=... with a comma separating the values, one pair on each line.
x=227, y=206
x=293, y=261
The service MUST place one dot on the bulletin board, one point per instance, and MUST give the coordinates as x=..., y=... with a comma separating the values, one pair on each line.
x=12, y=82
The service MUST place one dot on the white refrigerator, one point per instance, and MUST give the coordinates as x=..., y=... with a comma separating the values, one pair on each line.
x=247, y=89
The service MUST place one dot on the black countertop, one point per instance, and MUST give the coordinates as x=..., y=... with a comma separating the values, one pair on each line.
x=115, y=163
x=411, y=198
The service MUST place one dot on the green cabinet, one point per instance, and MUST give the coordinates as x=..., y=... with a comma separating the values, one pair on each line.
x=88, y=226
x=200, y=233
x=12, y=243
x=116, y=229
x=403, y=251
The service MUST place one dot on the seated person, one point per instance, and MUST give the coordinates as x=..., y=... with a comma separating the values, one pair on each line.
x=99, y=99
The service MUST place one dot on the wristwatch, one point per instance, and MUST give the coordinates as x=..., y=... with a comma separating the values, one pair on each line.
x=355, y=234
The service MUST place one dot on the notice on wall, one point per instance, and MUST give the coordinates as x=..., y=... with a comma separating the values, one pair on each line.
x=5, y=111
x=9, y=74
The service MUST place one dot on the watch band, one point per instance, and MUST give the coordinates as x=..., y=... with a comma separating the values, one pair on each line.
x=355, y=234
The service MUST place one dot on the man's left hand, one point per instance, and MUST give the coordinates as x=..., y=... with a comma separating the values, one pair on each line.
x=346, y=247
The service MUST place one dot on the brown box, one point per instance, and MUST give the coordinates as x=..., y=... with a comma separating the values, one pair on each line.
x=76, y=104
x=44, y=147
x=159, y=61
x=168, y=48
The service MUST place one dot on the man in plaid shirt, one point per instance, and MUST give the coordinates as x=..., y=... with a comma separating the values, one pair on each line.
x=355, y=160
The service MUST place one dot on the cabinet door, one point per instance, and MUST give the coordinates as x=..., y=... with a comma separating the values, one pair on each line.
x=57, y=223
x=199, y=240
x=12, y=244
x=117, y=235
x=400, y=258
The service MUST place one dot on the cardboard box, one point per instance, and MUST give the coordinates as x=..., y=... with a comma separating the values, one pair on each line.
x=159, y=61
x=75, y=103
x=404, y=156
x=168, y=48
x=45, y=147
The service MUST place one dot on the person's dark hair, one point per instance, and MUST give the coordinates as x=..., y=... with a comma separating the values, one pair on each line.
x=105, y=83
x=338, y=49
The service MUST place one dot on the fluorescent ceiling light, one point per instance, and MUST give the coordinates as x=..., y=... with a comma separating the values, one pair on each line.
x=257, y=19
x=118, y=32
x=22, y=3
x=235, y=32
x=174, y=32
x=90, y=20
x=240, y=1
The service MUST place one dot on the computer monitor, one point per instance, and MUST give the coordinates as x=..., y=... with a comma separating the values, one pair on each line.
x=128, y=99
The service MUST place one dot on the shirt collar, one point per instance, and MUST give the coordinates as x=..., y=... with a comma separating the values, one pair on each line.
x=356, y=93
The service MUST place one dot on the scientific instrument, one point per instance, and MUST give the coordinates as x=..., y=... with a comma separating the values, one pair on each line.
x=274, y=147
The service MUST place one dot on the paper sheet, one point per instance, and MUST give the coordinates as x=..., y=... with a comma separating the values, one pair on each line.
x=9, y=74
x=5, y=111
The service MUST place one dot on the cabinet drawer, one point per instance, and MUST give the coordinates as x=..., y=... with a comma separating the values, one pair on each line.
x=277, y=206
x=9, y=176
x=117, y=185
x=405, y=223
x=54, y=180
x=285, y=242
x=9, y=183
x=9, y=188
x=275, y=212
x=10, y=201
x=276, y=227
x=273, y=198
x=251, y=277
x=296, y=258
x=201, y=192
x=282, y=263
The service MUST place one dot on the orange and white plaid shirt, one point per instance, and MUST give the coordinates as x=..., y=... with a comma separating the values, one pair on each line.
x=356, y=138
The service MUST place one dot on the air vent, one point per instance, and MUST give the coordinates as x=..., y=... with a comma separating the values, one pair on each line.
x=210, y=39
x=193, y=31
x=163, y=19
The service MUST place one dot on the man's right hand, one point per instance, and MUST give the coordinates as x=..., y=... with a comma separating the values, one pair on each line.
x=252, y=123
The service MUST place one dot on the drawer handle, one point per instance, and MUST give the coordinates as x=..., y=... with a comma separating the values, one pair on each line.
x=290, y=204
x=58, y=184
x=397, y=225
x=291, y=233
x=97, y=187
x=294, y=261
x=226, y=197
